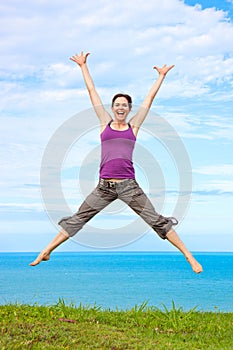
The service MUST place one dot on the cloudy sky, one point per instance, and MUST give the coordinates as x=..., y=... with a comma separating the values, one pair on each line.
x=45, y=111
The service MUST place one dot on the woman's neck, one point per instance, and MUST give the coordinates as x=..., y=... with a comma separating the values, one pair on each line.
x=119, y=125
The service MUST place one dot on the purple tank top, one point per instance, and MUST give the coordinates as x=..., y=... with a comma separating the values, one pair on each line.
x=116, y=153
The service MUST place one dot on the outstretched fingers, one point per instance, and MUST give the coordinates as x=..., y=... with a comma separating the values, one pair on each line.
x=80, y=58
x=164, y=70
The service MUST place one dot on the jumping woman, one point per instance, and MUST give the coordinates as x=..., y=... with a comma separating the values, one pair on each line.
x=117, y=175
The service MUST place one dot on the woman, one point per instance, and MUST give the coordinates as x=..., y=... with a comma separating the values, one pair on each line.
x=117, y=177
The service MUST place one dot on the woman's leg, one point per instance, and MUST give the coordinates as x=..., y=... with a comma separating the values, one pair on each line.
x=140, y=203
x=174, y=239
x=93, y=204
x=61, y=237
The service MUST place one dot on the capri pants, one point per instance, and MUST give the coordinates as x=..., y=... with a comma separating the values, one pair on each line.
x=129, y=192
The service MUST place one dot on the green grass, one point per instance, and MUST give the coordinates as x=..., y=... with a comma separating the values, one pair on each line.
x=64, y=326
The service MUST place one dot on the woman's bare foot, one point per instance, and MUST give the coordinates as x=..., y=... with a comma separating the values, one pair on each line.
x=194, y=264
x=61, y=237
x=43, y=256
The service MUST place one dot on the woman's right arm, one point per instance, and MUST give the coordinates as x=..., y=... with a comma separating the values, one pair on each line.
x=103, y=115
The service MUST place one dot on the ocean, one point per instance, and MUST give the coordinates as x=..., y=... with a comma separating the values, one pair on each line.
x=119, y=280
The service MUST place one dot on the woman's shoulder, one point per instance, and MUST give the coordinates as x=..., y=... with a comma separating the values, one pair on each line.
x=104, y=126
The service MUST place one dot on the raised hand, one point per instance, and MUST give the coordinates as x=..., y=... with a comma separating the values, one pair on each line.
x=163, y=70
x=80, y=59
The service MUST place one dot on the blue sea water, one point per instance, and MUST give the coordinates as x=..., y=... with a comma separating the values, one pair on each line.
x=119, y=280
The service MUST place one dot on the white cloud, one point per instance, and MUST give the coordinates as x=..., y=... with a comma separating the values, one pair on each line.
x=214, y=188
x=217, y=169
x=39, y=38
x=47, y=32
x=216, y=179
x=23, y=207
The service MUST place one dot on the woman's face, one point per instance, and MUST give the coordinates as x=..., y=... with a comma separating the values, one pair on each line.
x=121, y=108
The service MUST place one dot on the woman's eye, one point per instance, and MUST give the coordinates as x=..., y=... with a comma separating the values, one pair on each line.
x=123, y=105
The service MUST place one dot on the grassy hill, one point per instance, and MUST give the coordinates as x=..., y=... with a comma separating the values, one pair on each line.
x=64, y=326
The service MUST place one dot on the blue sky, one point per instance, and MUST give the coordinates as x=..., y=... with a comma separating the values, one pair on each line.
x=41, y=89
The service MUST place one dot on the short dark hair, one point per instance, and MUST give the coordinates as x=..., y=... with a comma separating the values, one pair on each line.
x=128, y=98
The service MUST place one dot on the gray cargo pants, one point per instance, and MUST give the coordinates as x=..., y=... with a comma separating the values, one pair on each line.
x=129, y=192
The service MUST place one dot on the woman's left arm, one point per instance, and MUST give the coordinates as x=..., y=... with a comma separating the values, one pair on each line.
x=140, y=116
